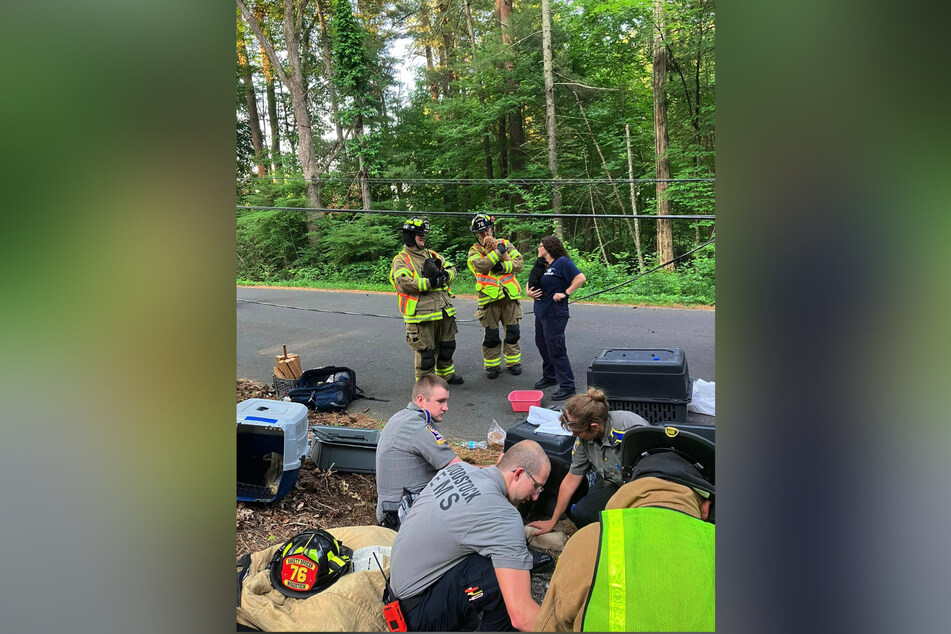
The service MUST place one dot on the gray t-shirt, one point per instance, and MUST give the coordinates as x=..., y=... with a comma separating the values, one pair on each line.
x=604, y=454
x=409, y=453
x=462, y=511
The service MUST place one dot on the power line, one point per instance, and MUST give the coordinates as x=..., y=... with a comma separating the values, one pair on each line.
x=419, y=212
x=492, y=181
x=473, y=321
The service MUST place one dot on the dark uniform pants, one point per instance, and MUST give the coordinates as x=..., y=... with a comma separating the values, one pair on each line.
x=588, y=509
x=550, y=341
x=455, y=601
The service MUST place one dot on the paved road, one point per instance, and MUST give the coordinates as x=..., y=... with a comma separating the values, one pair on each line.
x=375, y=347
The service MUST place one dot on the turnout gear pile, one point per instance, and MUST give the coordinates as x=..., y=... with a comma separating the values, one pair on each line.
x=494, y=263
x=422, y=280
x=309, y=562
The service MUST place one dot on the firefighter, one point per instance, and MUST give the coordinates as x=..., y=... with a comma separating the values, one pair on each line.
x=421, y=279
x=494, y=262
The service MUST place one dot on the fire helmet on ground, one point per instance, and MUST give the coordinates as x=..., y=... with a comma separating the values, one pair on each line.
x=308, y=563
x=481, y=222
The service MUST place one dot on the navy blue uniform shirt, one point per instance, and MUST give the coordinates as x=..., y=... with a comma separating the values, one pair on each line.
x=557, y=279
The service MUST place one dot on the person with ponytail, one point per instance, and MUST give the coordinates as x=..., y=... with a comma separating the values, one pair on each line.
x=598, y=434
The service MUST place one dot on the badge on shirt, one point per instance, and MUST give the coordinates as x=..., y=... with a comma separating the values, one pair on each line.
x=575, y=446
x=439, y=439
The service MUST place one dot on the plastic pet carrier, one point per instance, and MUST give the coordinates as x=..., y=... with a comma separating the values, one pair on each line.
x=653, y=383
x=345, y=449
x=271, y=442
x=704, y=431
x=558, y=449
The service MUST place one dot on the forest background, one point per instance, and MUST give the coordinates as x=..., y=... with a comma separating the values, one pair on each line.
x=527, y=111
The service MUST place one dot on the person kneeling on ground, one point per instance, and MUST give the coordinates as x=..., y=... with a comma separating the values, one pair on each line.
x=599, y=434
x=653, y=538
x=411, y=450
x=461, y=551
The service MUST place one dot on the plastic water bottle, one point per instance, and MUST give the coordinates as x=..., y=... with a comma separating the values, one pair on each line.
x=472, y=444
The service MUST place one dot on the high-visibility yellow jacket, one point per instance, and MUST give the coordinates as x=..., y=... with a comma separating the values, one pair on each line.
x=656, y=572
x=417, y=301
x=490, y=285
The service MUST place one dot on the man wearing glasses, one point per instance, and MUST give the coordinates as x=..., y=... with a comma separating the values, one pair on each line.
x=460, y=561
x=599, y=433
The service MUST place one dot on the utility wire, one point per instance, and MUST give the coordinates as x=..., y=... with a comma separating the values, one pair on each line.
x=337, y=312
x=466, y=321
x=491, y=181
x=469, y=213
x=656, y=268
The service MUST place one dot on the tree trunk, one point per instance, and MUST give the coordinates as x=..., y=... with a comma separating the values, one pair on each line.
x=665, y=238
x=515, y=130
x=252, y=102
x=486, y=141
x=637, y=221
x=362, y=174
x=294, y=80
x=446, y=48
x=550, y=118
x=276, y=163
x=503, y=150
x=427, y=29
x=328, y=68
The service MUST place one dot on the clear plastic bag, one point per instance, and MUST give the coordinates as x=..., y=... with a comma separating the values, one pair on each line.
x=703, y=400
x=496, y=434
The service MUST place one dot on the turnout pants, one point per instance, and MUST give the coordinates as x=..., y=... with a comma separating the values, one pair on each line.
x=507, y=311
x=434, y=343
x=456, y=600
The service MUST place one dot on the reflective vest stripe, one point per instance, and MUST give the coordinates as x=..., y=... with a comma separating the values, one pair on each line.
x=408, y=301
x=667, y=560
x=489, y=286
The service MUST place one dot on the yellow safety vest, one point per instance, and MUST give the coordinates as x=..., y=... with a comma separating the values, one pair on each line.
x=408, y=302
x=489, y=286
x=656, y=572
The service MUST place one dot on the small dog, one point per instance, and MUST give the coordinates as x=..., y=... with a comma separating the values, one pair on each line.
x=535, y=275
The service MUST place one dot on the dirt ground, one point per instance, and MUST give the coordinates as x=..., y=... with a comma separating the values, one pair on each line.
x=325, y=499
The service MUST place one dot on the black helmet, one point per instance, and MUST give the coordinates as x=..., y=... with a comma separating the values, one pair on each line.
x=669, y=453
x=309, y=562
x=481, y=222
x=416, y=225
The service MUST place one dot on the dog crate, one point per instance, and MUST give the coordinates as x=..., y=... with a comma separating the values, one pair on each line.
x=345, y=449
x=704, y=431
x=558, y=448
x=271, y=443
x=653, y=383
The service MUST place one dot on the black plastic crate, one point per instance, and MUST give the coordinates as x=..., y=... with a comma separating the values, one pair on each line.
x=652, y=411
x=558, y=450
x=705, y=431
x=651, y=382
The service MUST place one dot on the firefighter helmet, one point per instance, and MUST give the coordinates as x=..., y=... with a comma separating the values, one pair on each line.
x=481, y=222
x=309, y=562
x=416, y=225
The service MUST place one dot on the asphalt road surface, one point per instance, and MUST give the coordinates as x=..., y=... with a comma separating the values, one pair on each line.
x=372, y=342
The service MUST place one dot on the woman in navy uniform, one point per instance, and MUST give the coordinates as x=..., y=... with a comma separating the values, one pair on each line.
x=558, y=282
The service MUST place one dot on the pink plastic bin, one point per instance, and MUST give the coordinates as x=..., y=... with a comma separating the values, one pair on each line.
x=521, y=400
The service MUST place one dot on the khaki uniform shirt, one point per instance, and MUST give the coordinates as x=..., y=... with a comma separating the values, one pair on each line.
x=604, y=454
